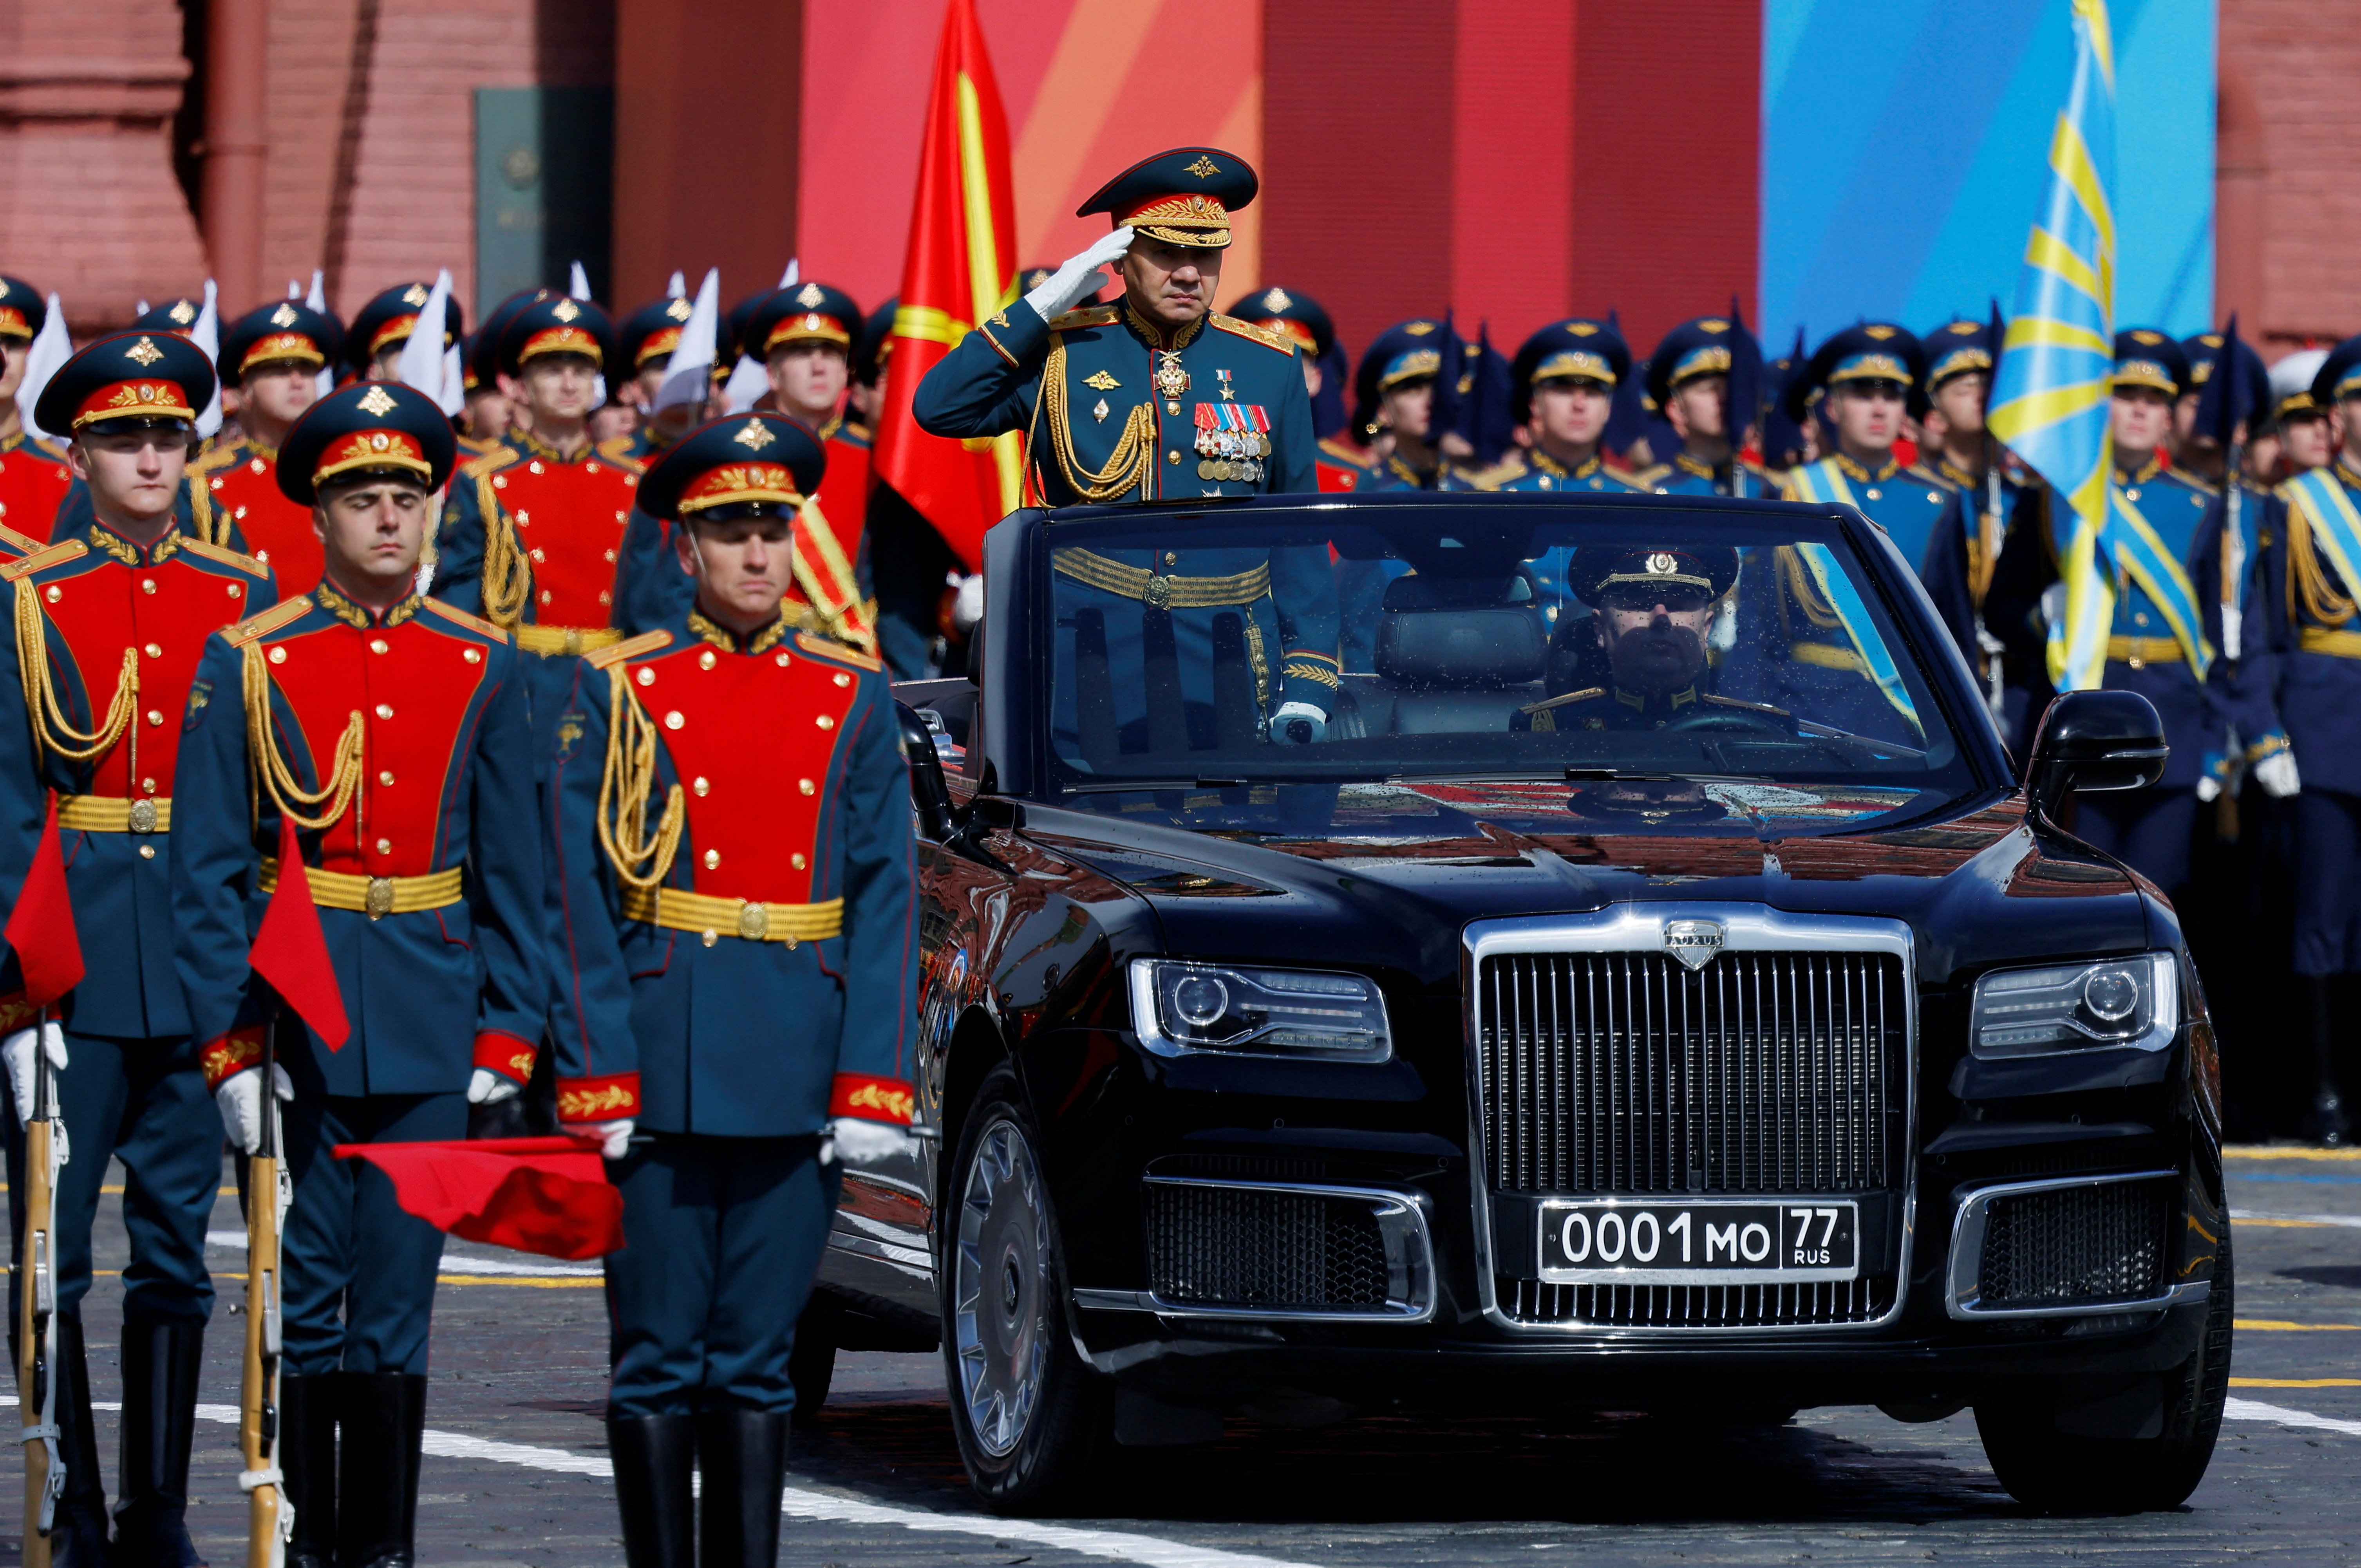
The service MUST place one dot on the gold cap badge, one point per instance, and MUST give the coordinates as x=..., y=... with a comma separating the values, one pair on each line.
x=378, y=402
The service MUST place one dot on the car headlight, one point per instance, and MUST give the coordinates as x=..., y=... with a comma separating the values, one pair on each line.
x=1182, y=1007
x=2071, y=1007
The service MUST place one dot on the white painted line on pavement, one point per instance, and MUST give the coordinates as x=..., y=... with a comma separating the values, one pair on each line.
x=2350, y=1222
x=452, y=1261
x=1120, y=1545
x=2255, y=1410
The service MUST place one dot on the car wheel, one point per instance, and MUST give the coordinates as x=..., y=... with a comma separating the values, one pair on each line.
x=811, y=1365
x=1032, y=1418
x=2057, y=1471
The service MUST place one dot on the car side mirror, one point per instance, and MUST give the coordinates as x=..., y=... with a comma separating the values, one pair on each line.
x=2095, y=741
x=931, y=797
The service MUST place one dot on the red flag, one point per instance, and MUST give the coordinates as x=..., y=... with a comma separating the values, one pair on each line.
x=959, y=269
x=41, y=926
x=291, y=952
x=549, y=1196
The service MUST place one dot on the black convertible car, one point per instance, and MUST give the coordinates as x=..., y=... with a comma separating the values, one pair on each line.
x=1531, y=953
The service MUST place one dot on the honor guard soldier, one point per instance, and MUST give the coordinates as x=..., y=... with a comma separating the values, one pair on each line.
x=492, y=411
x=273, y=356
x=1563, y=385
x=33, y=475
x=2307, y=439
x=1153, y=398
x=373, y=344
x=1688, y=379
x=646, y=343
x=390, y=731
x=804, y=335
x=107, y=633
x=737, y=953
x=1393, y=405
x=533, y=531
x=178, y=317
x=1341, y=466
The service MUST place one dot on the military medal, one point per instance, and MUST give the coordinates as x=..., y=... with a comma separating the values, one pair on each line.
x=1228, y=392
x=1170, y=379
x=1230, y=438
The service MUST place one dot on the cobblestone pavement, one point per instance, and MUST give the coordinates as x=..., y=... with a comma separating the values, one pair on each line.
x=516, y=1466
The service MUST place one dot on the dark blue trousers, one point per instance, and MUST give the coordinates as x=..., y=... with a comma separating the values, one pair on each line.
x=721, y=1243
x=360, y=1288
x=2327, y=902
x=2148, y=829
x=144, y=1103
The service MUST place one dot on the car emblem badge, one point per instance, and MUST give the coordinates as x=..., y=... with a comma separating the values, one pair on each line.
x=1694, y=942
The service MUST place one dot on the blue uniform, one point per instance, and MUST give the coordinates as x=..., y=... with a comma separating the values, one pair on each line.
x=1688, y=476
x=733, y=985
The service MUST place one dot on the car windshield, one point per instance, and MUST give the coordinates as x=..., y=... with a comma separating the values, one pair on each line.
x=1655, y=665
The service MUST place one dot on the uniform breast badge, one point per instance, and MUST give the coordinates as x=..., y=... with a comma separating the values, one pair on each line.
x=1099, y=411
x=1229, y=393
x=1231, y=441
x=1172, y=381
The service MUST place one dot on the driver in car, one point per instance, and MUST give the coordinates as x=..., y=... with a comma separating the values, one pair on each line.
x=1653, y=606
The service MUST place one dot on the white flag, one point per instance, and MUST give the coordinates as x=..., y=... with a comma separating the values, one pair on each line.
x=423, y=362
x=50, y=350
x=688, y=374
x=206, y=335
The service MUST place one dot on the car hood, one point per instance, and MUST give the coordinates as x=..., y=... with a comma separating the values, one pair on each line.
x=1978, y=885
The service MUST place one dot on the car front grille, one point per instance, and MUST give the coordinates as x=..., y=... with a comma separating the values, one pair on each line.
x=1697, y=1306
x=1630, y=1073
x=2076, y=1246
x=1231, y=1246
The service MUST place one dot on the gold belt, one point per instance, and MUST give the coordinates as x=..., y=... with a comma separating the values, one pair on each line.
x=2138, y=651
x=675, y=909
x=1160, y=592
x=548, y=640
x=2308, y=639
x=1826, y=657
x=112, y=814
x=374, y=896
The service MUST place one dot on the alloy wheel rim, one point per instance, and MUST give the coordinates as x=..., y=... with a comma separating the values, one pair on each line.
x=1000, y=1288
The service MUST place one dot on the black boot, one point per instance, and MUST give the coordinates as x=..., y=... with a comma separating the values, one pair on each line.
x=654, y=1457
x=160, y=1361
x=78, y=1528
x=2325, y=1121
x=383, y=1419
x=743, y=1457
x=307, y=1456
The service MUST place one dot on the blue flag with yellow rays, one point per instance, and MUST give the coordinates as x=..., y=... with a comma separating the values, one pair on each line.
x=2049, y=395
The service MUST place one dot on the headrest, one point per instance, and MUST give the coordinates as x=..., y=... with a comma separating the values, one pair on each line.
x=1460, y=631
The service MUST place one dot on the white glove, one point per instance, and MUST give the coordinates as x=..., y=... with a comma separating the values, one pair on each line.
x=1285, y=720
x=615, y=1136
x=489, y=1087
x=2209, y=790
x=240, y=1099
x=1078, y=277
x=967, y=609
x=864, y=1143
x=2276, y=775
x=17, y=1050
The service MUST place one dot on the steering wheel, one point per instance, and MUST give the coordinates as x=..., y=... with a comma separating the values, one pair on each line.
x=1737, y=721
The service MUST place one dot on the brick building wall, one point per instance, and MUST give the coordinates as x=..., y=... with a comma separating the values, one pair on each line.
x=2290, y=209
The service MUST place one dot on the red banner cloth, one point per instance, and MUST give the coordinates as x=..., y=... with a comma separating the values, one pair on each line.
x=960, y=269
x=548, y=1196
x=292, y=952
x=41, y=926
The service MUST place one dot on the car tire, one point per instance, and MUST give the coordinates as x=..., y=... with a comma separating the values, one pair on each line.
x=811, y=1365
x=2055, y=1472
x=1034, y=1421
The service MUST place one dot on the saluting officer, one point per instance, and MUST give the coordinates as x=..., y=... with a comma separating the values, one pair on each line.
x=737, y=977
x=1688, y=379
x=1157, y=397
x=390, y=730
x=1341, y=466
x=273, y=356
x=34, y=478
x=381, y=329
x=107, y=632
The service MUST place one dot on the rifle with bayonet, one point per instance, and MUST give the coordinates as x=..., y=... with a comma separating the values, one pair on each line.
x=270, y=1518
x=37, y=1307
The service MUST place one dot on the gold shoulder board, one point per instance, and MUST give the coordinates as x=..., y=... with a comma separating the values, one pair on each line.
x=811, y=642
x=616, y=449
x=57, y=555
x=607, y=658
x=16, y=540
x=1088, y=315
x=1261, y=334
x=1584, y=695
x=213, y=458
x=458, y=616
x=224, y=555
x=2202, y=486
x=269, y=622
x=491, y=462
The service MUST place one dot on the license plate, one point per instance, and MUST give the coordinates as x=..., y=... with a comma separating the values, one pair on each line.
x=1638, y=1240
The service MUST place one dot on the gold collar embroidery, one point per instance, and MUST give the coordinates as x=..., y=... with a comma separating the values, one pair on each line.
x=762, y=642
x=2148, y=470
x=2349, y=475
x=355, y=616
x=1852, y=468
x=1639, y=702
x=532, y=445
x=1156, y=336
x=1688, y=465
x=104, y=538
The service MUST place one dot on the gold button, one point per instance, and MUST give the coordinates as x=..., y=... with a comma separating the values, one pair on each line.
x=825, y=722
x=473, y=655
x=2132, y=493
x=377, y=644
x=537, y=557
x=590, y=467
x=709, y=937
x=385, y=710
x=807, y=786
x=646, y=677
x=544, y=595
x=703, y=785
x=147, y=585
x=499, y=482
x=258, y=466
x=239, y=514
x=218, y=484
x=154, y=717
x=1875, y=494
x=279, y=655
x=236, y=592
x=1934, y=497
x=782, y=659
x=841, y=678
x=534, y=467
x=385, y=846
x=154, y=651
x=147, y=852
x=148, y=785
x=791, y=944
x=705, y=659
x=712, y=858
x=1171, y=558
x=524, y=518
x=797, y=860
x=673, y=720
x=56, y=593
x=1173, y=455
x=386, y=779
x=606, y=597
x=610, y=555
